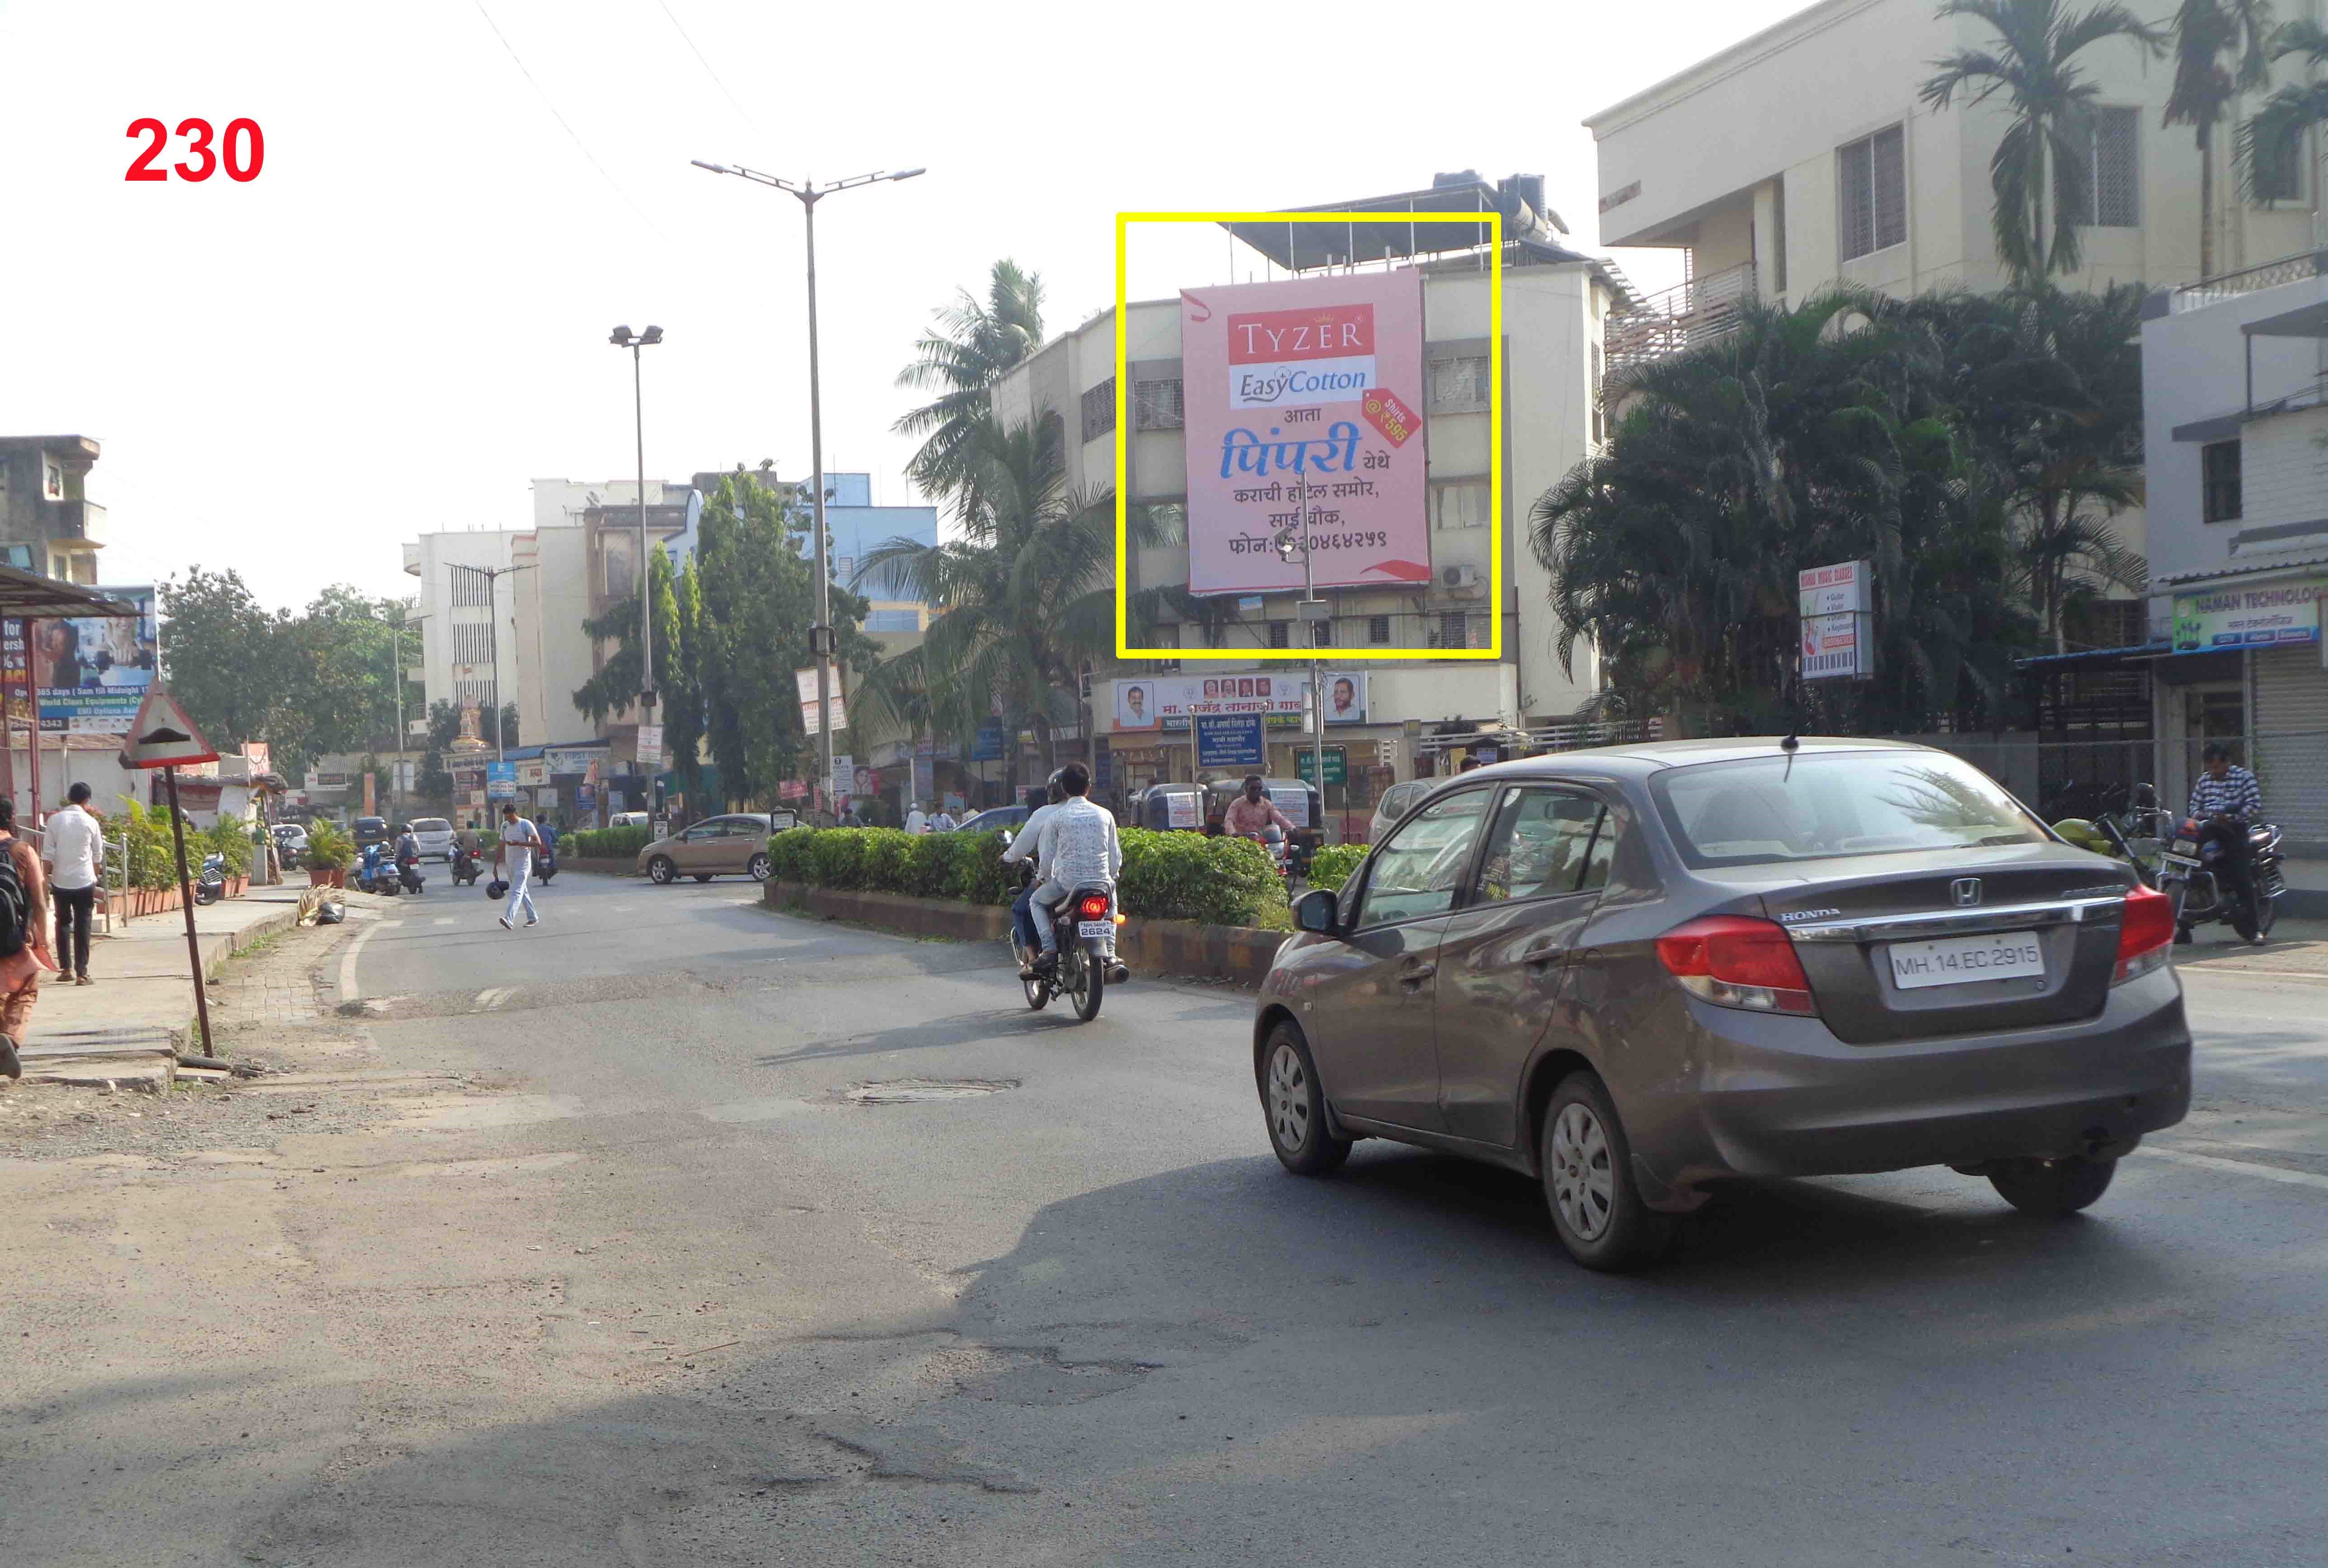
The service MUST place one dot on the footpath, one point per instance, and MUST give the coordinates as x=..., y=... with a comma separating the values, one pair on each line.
x=128, y=1028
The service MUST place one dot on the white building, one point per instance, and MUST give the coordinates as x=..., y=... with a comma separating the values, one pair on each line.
x=467, y=618
x=1555, y=301
x=2235, y=411
x=550, y=600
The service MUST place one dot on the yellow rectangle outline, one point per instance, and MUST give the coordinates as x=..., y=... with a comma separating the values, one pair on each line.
x=1341, y=654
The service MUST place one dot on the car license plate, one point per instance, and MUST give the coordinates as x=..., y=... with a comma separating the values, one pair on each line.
x=1962, y=960
x=1095, y=927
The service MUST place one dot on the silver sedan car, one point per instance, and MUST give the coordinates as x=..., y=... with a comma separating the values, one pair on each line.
x=1632, y=972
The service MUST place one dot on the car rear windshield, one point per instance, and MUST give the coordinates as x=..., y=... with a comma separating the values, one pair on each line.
x=1764, y=810
x=431, y=825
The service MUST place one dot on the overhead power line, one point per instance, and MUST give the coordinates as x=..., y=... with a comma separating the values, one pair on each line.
x=706, y=64
x=579, y=145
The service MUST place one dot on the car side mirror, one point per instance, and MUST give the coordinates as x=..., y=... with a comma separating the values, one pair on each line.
x=1317, y=910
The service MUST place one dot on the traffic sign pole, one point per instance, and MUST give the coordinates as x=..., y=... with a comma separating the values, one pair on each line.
x=186, y=902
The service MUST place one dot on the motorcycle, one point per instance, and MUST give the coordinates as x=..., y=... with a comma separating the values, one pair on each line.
x=465, y=866
x=1281, y=857
x=408, y=874
x=376, y=873
x=2196, y=871
x=545, y=866
x=211, y=884
x=1083, y=925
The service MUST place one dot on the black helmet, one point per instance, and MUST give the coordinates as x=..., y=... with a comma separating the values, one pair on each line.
x=1057, y=790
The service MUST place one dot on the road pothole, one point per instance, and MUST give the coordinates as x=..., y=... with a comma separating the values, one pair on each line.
x=911, y=1091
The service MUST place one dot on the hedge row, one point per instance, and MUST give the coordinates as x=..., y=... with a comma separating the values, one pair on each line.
x=1333, y=866
x=604, y=843
x=1167, y=876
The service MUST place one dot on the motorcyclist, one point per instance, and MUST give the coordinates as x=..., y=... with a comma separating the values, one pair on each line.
x=2226, y=791
x=1026, y=940
x=408, y=844
x=1253, y=811
x=1078, y=847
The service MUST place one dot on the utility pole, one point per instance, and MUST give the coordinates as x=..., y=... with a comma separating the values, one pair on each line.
x=623, y=338
x=492, y=577
x=396, y=679
x=819, y=636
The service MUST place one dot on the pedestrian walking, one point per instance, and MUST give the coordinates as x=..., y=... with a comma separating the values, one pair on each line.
x=25, y=953
x=74, y=859
x=519, y=839
x=915, y=821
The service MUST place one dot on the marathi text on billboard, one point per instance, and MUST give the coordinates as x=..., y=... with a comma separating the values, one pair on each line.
x=1157, y=702
x=1300, y=399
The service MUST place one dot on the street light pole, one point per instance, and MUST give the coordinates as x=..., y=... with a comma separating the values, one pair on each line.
x=396, y=679
x=819, y=636
x=623, y=338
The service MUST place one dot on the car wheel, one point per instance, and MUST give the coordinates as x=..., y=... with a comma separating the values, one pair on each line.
x=2051, y=1189
x=1588, y=1181
x=1294, y=1105
x=661, y=871
x=758, y=868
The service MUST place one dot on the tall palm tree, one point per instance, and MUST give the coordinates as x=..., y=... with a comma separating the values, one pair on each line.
x=976, y=341
x=2033, y=65
x=1023, y=597
x=2205, y=31
x=2289, y=112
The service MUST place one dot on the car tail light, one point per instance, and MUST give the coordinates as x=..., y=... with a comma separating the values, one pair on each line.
x=1095, y=908
x=1732, y=961
x=2145, y=933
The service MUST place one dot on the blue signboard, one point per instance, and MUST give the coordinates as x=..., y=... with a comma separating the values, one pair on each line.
x=988, y=746
x=501, y=780
x=1229, y=741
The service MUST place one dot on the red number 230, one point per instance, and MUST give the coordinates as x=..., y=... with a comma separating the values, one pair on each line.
x=244, y=149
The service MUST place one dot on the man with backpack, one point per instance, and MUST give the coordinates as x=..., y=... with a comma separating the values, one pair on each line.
x=23, y=935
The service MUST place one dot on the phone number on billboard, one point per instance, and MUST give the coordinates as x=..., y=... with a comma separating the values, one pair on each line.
x=1373, y=539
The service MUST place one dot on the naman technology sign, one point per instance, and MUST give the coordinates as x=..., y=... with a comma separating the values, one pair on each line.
x=1300, y=399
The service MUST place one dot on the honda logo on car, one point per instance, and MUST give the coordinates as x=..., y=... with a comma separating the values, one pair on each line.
x=1966, y=891
x=1297, y=358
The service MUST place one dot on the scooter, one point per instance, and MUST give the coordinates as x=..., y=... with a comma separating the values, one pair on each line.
x=211, y=884
x=465, y=866
x=376, y=873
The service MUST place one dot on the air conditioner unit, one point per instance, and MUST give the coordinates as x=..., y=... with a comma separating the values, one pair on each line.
x=1460, y=577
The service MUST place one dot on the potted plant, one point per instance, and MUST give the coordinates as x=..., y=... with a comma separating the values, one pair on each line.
x=329, y=853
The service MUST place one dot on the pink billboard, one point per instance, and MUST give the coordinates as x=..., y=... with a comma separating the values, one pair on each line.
x=1300, y=398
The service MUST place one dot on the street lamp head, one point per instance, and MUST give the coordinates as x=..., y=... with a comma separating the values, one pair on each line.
x=651, y=335
x=907, y=174
x=715, y=168
x=620, y=337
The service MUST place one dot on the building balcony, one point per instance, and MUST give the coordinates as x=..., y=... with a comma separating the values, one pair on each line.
x=1686, y=316
x=412, y=556
x=2231, y=285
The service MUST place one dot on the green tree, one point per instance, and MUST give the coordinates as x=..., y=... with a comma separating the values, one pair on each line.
x=2205, y=32
x=976, y=341
x=222, y=657
x=2033, y=65
x=2278, y=129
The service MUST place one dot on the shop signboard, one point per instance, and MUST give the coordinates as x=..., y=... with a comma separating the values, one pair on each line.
x=1229, y=741
x=1843, y=589
x=501, y=780
x=94, y=670
x=1337, y=765
x=2272, y=615
x=533, y=775
x=988, y=746
x=1169, y=701
x=1300, y=399
x=570, y=759
x=1838, y=647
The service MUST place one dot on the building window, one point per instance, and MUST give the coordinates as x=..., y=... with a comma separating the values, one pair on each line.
x=1454, y=629
x=1378, y=629
x=2219, y=500
x=1099, y=410
x=893, y=621
x=54, y=477
x=1460, y=505
x=2111, y=163
x=1778, y=235
x=1156, y=405
x=1872, y=181
x=1281, y=634
x=2278, y=171
x=1459, y=385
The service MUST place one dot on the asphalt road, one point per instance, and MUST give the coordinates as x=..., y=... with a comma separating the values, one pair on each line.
x=684, y=1291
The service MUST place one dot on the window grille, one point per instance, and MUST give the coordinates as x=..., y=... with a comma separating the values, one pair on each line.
x=1099, y=410
x=2112, y=165
x=2221, y=500
x=1378, y=629
x=1281, y=634
x=1157, y=406
x=1459, y=385
x=1872, y=180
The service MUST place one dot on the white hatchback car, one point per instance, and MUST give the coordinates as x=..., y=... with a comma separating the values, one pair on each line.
x=434, y=834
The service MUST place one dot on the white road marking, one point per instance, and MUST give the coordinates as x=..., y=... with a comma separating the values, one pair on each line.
x=493, y=996
x=2238, y=1166
x=348, y=990
x=2255, y=969
x=441, y=920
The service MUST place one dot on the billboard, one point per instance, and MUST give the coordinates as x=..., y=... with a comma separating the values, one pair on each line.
x=1301, y=400
x=92, y=671
x=1229, y=741
x=1168, y=702
x=2274, y=615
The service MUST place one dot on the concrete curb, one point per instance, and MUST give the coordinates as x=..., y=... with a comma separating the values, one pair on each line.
x=1186, y=947
x=600, y=866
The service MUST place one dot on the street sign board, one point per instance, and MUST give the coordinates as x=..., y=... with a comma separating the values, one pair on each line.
x=1337, y=765
x=1229, y=741
x=1838, y=647
x=650, y=743
x=163, y=736
x=501, y=780
x=1845, y=588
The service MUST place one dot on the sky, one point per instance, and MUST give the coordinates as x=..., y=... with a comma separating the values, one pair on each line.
x=403, y=319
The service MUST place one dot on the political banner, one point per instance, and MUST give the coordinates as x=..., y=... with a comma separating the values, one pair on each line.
x=1169, y=701
x=1300, y=399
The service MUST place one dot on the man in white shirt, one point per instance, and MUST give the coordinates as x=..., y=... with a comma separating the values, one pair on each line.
x=520, y=839
x=942, y=820
x=73, y=850
x=1075, y=844
x=914, y=821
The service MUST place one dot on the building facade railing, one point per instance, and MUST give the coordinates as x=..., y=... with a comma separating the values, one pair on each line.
x=2249, y=280
x=1685, y=316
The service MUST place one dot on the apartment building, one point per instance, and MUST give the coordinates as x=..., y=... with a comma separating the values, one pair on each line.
x=47, y=524
x=466, y=604
x=1555, y=301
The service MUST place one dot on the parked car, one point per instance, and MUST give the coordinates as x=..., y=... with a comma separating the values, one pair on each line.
x=994, y=818
x=290, y=842
x=1396, y=802
x=735, y=843
x=1634, y=972
x=370, y=830
x=434, y=834
x=629, y=819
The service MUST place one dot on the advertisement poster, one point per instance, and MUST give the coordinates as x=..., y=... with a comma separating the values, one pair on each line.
x=501, y=780
x=2276, y=615
x=93, y=672
x=1162, y=702
x=1301, y=399
x=1229, y=741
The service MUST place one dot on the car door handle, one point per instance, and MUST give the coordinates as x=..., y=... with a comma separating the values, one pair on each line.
x=1543, y=957
x=1416, y=973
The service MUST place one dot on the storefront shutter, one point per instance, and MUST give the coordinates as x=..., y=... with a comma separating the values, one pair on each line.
x=2290, y=726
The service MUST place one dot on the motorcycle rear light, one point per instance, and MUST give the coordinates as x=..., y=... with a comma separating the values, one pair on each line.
x=2146, y=934
x=1733, y=961
x=1095, y=908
